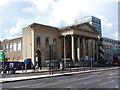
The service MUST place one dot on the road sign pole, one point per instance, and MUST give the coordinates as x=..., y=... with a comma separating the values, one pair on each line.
x=25, y=67
x=25, y=62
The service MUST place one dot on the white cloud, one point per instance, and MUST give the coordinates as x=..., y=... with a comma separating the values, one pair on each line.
x=3, y=3
x=114, y=35
x=109, y=25
x=13, y=32
x=54, y=13
x=104, y=21
x=28, y=10
x=106, y=0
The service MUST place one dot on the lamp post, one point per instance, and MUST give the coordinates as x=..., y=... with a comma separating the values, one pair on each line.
x=51, y=57
x=64, y=53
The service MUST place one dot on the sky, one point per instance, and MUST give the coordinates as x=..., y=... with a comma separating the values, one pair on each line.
x=17, y=14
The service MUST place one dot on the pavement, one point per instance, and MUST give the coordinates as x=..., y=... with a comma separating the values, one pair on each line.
x=37, y=76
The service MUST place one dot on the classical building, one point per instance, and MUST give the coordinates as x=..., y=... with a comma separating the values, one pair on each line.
x=94, y=21
x=77, y=43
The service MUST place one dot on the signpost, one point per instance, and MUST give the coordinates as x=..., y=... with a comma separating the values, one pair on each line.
x=25, y=62
x=91, y=61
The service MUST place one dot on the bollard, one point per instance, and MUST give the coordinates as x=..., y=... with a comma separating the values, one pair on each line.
x=77, y=68
x=70, y=69
x=84, y=68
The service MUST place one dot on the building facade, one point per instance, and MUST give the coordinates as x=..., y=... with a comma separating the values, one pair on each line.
x=13, y=49
x=78, y=43
x=94, y=21
x=0, y=46
x=108, y=49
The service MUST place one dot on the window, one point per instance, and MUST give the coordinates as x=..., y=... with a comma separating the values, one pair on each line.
x=47, y=41
x=15, y=47
x=5, y=48
x=19, y=46
x=55, y=42
x=11, y=48
x=8, y=47
x=38, y=40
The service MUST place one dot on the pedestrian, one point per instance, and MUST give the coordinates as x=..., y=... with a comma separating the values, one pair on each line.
x=11, y=69
x=5, y=69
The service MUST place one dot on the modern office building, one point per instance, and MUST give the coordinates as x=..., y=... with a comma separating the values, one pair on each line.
x=108, y=49
x=94, y=21
x=77, y=43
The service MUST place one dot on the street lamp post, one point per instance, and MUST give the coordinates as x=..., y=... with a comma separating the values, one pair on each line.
x=64, y=53
x=51, y=58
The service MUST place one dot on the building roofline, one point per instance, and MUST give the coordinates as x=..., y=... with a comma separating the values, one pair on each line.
x=33, y=24
x=87, y=17
x=72, y=26
x=11, y=39
x=109, y=38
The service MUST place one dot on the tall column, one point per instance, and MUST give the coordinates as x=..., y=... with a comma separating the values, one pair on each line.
x=73, y=51
x=33, y=48
x=89, y=46
x=64, y=52
x=78, y=49
x=93, y=49
x=84, y=51
x=96, y=42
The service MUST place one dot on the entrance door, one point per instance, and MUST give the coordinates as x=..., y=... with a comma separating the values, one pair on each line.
x=38, y=53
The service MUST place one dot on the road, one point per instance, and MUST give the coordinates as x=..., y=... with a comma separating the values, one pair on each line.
x=100, y=79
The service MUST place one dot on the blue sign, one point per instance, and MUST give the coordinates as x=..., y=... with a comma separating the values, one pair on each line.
x=25, y=61
x=81, y=58
x=90, y=58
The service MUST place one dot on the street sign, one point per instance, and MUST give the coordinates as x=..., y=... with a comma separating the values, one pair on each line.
x=26, y=61
x=81, y=58
x=90, y=58
x=86, y=57
x=2, y=55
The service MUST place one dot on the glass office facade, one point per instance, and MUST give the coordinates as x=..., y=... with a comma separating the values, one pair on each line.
x=95, y=22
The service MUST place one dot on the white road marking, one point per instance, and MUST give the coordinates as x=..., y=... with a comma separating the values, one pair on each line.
x=112, y=74
x=110, y=77
x=92, y=82
x=62, y=80
x=37, y=84
x=87, y=83
x=70, y=87
x=116, y=87
x=106, y=82
x=29, y=85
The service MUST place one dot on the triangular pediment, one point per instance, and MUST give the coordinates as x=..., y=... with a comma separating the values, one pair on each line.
x=86, y=26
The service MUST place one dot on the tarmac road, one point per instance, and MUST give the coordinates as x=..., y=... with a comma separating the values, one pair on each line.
x=100, y=79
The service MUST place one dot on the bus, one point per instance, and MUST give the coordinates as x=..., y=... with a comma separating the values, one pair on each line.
x=116, y=60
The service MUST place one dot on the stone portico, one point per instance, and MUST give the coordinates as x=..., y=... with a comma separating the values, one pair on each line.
x=80, y=41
